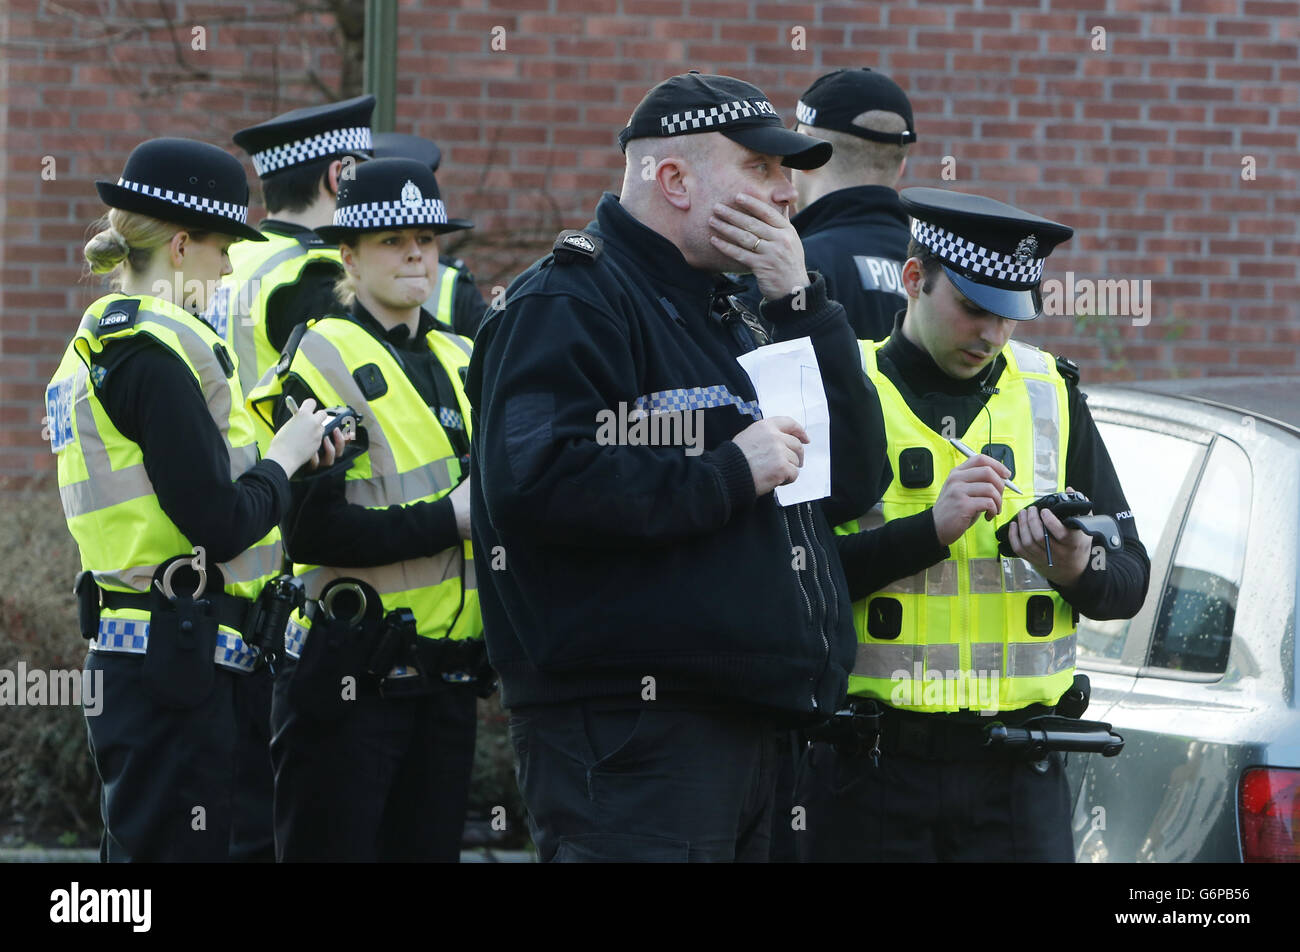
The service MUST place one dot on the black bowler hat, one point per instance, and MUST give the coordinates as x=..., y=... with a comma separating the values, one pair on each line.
x=389, y=193
x=693, y=102
x=399, y=145
x=834, y=100
x=992, y=252
x=308, y=135
x=185, y=182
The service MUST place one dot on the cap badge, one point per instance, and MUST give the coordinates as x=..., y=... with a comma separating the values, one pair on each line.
x=581, y=242
x=412, y=197
x=1027, y=250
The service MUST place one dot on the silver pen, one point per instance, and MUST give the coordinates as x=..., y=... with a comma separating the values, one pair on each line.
x=968, y=453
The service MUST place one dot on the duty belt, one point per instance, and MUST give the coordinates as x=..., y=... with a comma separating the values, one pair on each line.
x=131, y=636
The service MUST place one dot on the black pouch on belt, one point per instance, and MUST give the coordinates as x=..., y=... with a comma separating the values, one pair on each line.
x=179, y=668
x=87, y=592
x=333, y=661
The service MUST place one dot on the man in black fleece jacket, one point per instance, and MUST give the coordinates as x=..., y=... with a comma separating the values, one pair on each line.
x=652, y=611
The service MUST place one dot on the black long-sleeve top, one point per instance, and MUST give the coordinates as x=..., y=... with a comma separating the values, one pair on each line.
x=322, y=527
x=876, y=557
x=153, y=399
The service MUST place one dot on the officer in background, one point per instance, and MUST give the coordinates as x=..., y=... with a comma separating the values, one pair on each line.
x=654, y=615
x=173, y=509
x=949, y=633
x=375, y=709
x=300, y=157
x=853, y=228
x=276, y=285
x=456, y=300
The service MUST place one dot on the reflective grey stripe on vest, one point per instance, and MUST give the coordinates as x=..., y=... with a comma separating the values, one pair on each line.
x=1035, y=660
x=1046, y=413
x=938, y=579
x=897, y=661
x=990, y=576
x=412, y=574
x=1024, y=659
x=873, y=518
x=402, y=488
x=459, y=342
x=104, y=486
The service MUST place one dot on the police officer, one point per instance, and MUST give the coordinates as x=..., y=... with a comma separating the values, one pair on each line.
x=653, y=613
x=949, y=633
x=456, y=300
x=853, y=228
x=277, y=284
x=374, y=715
x=300, y=157
x=172, y=511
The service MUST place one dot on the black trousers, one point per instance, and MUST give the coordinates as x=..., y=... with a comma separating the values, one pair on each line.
x=910, y=809
x=645, y=785
x=167, y=774
x=387, y=781
x=252, y=838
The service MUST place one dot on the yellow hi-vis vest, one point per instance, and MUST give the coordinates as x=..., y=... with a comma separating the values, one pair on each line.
x=439, y=303
x=112, y=511
x=976, y=631
x=238, y=310
x=410, y=460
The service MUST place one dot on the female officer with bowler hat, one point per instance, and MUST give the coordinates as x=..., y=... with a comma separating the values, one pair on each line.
x=373, y=721
x=172, y=511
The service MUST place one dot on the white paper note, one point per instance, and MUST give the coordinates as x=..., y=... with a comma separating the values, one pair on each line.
x=788, y=382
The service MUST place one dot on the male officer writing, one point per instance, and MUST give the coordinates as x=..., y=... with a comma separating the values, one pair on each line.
x=947, y=630
x=853, y=228
x=652, y=611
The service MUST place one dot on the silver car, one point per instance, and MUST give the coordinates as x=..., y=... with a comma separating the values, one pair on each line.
x=1202, y=682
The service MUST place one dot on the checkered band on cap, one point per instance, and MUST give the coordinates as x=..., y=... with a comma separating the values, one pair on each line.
x=372, y=215
x=728, y=112
x=229, y=210
x=969, y=256
x=805, y=113
x=356, y=139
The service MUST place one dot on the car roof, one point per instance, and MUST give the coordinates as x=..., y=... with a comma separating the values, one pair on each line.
x=1274, y=398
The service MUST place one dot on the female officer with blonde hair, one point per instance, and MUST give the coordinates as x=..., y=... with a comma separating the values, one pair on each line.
x=172, y=511
x=373, y=722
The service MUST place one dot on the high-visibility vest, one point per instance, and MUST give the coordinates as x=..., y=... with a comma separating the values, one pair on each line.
x=975, y=631
x=238, y=309
x=440, y=301
x=111, y=507
x=410, y=459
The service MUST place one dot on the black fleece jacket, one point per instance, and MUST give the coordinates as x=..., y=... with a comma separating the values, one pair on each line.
x=613, y=563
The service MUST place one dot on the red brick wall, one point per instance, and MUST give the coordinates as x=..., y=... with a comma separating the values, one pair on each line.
x=1139, y=147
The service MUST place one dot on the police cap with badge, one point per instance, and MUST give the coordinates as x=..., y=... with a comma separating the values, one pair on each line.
x=385, y=194
x=993, y=253
x=184, y=182
x=308, y=135
x=836, y=99
x=695, y=102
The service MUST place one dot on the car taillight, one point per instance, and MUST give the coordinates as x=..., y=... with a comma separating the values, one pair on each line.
x=1270, y=815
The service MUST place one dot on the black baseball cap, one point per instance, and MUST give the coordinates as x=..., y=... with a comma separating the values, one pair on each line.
x=389, y=193
x=835, y=99
x=696, y=102
x=306, y=135
x=185, y=182
x=992, y=252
